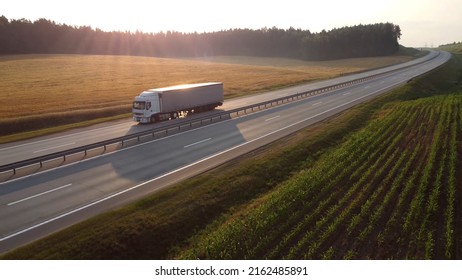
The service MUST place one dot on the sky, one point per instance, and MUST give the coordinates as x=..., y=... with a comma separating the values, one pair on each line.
x=423, y=22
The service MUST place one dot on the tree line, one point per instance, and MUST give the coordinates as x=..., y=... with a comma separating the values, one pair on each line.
x=44, y=36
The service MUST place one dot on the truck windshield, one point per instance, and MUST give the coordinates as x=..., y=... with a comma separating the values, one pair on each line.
x=140, y=105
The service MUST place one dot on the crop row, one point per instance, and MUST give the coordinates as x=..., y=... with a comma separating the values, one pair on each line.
x=389, y=191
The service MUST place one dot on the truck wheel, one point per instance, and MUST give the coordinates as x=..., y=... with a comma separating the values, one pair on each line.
x=153, y=119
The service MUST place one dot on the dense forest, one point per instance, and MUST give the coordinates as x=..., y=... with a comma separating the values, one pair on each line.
x=45, y=36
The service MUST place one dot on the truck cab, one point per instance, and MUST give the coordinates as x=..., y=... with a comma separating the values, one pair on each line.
x=146, y=106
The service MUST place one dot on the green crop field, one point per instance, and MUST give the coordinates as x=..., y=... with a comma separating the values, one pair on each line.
x=42, y=91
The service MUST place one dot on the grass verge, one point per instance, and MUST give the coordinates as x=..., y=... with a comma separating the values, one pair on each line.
x=454, y=48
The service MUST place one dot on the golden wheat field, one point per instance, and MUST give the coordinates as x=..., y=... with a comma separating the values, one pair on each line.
x=39, y=92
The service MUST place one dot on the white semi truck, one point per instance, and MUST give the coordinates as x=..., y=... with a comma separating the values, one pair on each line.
x=162, y=104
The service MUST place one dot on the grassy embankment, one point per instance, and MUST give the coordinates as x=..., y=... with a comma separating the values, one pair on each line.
x=454, y=48
x=378, y=181
x=52, y=93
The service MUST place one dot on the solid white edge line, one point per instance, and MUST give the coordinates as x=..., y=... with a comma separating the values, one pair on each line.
x=317, y=103
x=185, y=167
x=37, y=195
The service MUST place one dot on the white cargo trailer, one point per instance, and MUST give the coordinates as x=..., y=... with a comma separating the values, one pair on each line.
x=161, y=104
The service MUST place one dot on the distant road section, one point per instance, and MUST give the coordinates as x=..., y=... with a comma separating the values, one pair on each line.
x=35, y=206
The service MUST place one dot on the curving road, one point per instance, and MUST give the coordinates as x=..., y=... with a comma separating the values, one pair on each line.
x=37, y=205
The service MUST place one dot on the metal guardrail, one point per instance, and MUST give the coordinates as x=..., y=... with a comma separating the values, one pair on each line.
x=189, y=123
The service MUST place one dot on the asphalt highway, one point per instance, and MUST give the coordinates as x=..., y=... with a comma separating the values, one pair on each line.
x=21, y=150
x=35, y=206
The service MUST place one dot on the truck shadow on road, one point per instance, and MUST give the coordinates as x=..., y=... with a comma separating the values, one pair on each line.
x=175, y=150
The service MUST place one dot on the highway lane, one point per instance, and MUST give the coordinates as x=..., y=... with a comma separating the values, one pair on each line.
x=14, y=152
x=37, y=205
